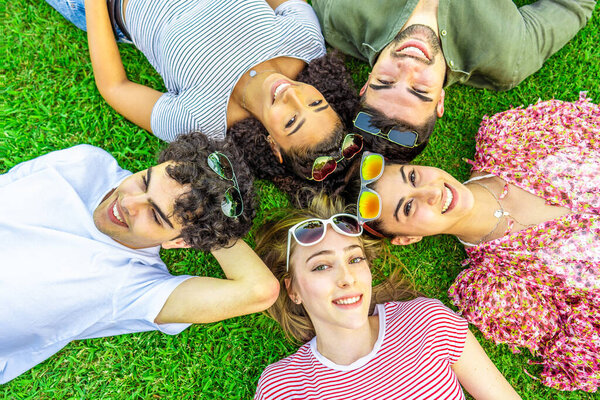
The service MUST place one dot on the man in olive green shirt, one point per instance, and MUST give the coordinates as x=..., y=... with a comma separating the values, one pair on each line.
x=418, y=47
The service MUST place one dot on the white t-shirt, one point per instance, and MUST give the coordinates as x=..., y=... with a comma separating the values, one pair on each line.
x=418, y=342
x=60, y=278
x=201, y=48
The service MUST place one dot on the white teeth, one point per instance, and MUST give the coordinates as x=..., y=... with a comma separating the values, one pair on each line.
x=349, y=300
x=449, y=198
x=116, y=213
x=279, y=89
x=415, y=49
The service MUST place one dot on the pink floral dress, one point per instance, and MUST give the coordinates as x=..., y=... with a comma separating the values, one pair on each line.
x=540, y=288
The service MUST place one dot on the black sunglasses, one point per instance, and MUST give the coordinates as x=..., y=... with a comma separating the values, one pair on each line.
x=231, y=204
x=362, y=121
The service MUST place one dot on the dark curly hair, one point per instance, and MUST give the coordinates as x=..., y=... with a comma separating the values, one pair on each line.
x=205, y=227
x=328, y=75
x=389, y=149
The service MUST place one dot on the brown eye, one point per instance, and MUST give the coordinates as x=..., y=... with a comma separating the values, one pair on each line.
x=290, y=122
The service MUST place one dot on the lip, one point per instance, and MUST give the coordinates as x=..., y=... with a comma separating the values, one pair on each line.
x=275, y=85
x=348, y=306
x=419, y=45
x=454, y=198
x=112, y=217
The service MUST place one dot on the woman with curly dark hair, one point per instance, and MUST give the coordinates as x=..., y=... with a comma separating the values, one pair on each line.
x=222, y=63
x=289, y=173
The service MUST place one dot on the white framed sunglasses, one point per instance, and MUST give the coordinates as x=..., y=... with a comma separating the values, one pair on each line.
x=312, y=231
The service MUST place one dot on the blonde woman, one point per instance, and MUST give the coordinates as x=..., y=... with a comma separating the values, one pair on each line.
x=359, y=340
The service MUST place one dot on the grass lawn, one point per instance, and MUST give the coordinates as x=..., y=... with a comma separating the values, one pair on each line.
x=48, y=101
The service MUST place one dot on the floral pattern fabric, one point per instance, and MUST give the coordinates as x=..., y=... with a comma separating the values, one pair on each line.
x=539, y=288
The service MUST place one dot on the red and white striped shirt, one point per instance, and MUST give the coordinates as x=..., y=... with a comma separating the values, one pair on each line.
x=418, y=342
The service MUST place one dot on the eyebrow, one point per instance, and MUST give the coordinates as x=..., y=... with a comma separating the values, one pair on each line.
x=379, y=87
x=298, y=126
x=346, y=249
x=419, y=95
x=153, y=204
x=321, y=108
x=399, y=205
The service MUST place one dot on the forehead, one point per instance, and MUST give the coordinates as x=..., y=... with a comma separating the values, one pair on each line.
x=397, y=103
x=333, y=244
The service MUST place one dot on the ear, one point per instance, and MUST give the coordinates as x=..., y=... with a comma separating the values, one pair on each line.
x=177, y=243
x=275, y=149
x=291, y=292
x=405, y=240
x=440, y=104
x=364, y=88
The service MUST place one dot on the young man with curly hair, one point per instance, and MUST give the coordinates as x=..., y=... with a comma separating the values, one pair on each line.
x=418, y=47
x=80, y=240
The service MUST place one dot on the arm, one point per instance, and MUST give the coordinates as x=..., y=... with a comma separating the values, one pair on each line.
x=276, y=3
x=250, y=287
x=129, y=99
x=478, y=374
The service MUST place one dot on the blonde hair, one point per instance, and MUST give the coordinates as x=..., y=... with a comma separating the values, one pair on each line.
x=271, y=246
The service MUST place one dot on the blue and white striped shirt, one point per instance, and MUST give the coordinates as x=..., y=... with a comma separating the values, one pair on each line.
x=201, y=48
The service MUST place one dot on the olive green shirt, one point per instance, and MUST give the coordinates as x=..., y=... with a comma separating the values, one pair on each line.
x=486, y=43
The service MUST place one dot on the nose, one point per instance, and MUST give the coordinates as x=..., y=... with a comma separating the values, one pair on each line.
x=292, y=95
x=132, y=203
x=345, y=277
x=429, y=194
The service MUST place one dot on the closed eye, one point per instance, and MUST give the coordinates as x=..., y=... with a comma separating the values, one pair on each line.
x=420, y=91
x=384, y=82
x=155, y=215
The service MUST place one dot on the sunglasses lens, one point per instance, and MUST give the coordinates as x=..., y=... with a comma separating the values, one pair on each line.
x=351, y=146
x=322, y=167
x=371, y=167
x=232, y=204
x=309, y=232
x=220, y=165
x=363, y=122
x=368, y=205
x=347, y=224
x=403, y=138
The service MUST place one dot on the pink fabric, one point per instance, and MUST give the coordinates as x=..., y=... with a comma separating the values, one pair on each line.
x=540, y=288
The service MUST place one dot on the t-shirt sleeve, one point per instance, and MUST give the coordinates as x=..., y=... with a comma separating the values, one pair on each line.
x=143, y=294
x=447, y=328
x=301, y=28
x=443, y=330
x=170, y=117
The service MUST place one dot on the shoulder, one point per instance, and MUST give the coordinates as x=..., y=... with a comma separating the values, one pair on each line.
x=286, y=373
x=420, y=313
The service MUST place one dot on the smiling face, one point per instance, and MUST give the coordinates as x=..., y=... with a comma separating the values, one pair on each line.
x=407, y=80
x=295, y=114
x=138, y=213
x=332, y=279
x=421, y=201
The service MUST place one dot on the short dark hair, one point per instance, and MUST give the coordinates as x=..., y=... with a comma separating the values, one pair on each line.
x=205, y=227
x=389, y=149
x=328, y=75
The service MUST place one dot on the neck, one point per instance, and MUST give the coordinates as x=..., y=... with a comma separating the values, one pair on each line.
x=481, y=220
x=425, y=13
x=345, y=346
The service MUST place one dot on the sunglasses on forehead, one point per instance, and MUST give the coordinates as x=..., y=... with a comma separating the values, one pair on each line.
x=325, y=165
x=369, y=205
x=403, y=138
x=312, y=231
x=232, y=204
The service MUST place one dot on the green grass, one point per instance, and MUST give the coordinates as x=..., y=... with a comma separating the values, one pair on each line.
x=48, y=101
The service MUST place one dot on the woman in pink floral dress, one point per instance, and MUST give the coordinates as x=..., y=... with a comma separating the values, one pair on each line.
x=529, y=218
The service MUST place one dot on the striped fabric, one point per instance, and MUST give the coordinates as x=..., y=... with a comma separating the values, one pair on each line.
x=201, y=48
x=418, y=342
